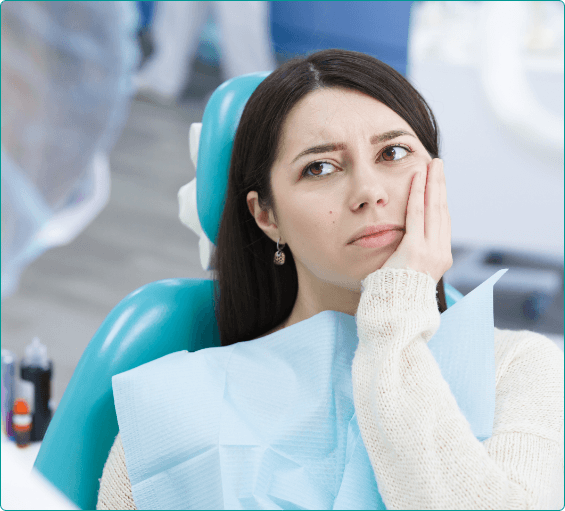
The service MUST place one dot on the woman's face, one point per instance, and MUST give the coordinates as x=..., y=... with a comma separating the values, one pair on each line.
x=324, y=198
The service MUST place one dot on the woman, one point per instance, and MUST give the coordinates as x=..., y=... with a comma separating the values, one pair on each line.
x=327, y=147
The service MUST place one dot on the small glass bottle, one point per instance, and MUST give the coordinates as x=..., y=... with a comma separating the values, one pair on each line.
x=36, y=370
x=21, y=423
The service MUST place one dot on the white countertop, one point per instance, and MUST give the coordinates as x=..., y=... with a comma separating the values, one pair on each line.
x=23, y=487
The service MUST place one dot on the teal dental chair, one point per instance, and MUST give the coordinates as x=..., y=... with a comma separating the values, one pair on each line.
x=155, y=320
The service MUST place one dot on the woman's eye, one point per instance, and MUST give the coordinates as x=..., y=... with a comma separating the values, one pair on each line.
x=395, y=152
x=391, y=153
x=315, y=169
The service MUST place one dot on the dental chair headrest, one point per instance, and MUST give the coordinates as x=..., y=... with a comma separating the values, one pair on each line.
x=202, y=200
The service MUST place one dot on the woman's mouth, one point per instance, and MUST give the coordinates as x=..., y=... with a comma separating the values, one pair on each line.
x=378, y=240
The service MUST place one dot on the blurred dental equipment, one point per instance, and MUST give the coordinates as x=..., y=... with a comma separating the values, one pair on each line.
x=503, y=75
x=66, y=88
x=508, y=44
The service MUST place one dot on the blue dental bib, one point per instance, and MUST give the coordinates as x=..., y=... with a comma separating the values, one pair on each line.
x=271, y=424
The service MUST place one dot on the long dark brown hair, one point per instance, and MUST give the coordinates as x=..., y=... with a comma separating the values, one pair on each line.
x=252, y=295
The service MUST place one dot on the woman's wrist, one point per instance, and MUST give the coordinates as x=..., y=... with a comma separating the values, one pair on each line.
x=399, y=288
x=396, y=304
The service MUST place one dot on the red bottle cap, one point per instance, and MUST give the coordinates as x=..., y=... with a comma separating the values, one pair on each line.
x=21, y=407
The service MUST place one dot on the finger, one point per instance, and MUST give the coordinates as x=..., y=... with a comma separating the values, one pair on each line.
x=431, y=230
x=432, y=215
x=445, y=216
x=415, y=208
x=444, y=211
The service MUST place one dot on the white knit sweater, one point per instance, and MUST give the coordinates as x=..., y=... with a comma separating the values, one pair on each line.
x=421, y=447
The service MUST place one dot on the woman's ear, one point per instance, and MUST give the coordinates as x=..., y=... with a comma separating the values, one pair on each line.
x=263, y=218
x=252, y=201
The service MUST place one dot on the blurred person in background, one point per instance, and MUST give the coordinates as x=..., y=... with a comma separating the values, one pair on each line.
x=245, y=44
x=66, y=90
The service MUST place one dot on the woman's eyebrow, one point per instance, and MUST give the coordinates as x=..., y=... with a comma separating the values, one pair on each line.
x=340, y=146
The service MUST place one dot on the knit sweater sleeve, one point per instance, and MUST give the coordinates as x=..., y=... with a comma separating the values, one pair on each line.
x=115, y=486
x=421, y=446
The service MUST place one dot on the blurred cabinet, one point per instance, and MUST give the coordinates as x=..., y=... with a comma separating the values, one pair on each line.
x=379, y=29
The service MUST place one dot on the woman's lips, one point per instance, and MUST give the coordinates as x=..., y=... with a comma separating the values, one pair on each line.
x=378, y=240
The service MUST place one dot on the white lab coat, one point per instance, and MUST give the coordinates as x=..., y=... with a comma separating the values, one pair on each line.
x=245, y=41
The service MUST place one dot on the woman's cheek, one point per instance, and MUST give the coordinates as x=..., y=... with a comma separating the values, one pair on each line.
x=427, y=159
x=421, y=164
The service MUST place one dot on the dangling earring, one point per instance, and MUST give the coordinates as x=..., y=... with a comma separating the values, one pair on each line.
x=279, y=254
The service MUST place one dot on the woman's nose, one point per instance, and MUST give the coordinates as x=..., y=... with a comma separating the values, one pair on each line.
x=367, y=187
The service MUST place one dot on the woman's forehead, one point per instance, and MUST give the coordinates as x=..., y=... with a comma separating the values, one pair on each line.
x=325, y=114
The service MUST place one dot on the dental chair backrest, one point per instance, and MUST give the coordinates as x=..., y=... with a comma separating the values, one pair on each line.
x=159, y=318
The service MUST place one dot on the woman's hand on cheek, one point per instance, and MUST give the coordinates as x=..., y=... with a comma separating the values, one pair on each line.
x=426, y=245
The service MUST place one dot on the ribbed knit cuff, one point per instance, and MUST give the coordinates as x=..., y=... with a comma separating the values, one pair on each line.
x=396, y=304
x=404, y=289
